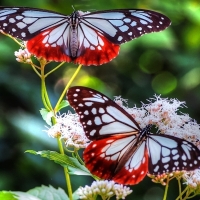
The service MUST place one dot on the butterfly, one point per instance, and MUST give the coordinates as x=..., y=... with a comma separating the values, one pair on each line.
x=82, y=37
x=120, y=150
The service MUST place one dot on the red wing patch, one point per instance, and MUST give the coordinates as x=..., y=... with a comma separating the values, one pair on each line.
x=103, y=162
x=97, y=55
x=51, y=52
x=88, y=55
x=132, y=176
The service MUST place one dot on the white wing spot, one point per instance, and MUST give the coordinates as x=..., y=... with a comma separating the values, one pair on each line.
x=143, y=21
x=75, y=95
x=97, y=121
x=89, y=122
x=183, y=157
x=156, y=168
x=94, y=145
x=88, y=104
x=80, y=105
x=120, y=38
x=176, y=163
x=21, y=25
x=92, y=134
x=127, y=20
x=94, y=111
x=139, y=28
x=5, y=24
x=18, y=17
x=92, y=48
x=23, y=34
x=176, y=157
x=130, y=33
x=134, y=23
x=101, y=110
x=166, y=159
x=166, y=166
x=99, y=48
x=149, y=26
x=124, y=28
x=86, y=112
x=174, y=151
x=13, y=30
x=12, y=20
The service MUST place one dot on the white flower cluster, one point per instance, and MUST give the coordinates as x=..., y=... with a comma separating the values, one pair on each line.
x=106, y=189
x=192, y=179
x=165, y=115
x=23, y=56
x=70, y=130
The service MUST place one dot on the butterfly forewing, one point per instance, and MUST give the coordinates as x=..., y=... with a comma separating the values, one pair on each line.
x=82, y=38
x=99, y=115
x=168, y=154
x=120, y=26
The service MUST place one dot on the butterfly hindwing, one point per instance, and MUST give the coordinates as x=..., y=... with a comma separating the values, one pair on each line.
x=99, y=115
x=108, y=159
x=168, y=153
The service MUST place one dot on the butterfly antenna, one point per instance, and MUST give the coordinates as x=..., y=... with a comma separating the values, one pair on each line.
x=73, y=8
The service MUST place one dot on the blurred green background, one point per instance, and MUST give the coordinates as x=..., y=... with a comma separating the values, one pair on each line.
x=166, y=63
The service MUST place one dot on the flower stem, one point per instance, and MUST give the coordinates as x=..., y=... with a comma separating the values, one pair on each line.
x=54, y=69
x=66, y=88
x=45, y=97
x=69, y=188
x=166, y=189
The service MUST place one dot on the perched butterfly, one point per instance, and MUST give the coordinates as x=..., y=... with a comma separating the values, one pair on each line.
x=82, y=37
x=120, y=150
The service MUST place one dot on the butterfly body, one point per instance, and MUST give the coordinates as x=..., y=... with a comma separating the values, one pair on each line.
x=82, y=37
x=120, y=150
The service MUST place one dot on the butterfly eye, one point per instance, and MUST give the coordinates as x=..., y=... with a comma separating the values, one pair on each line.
x=82, y=37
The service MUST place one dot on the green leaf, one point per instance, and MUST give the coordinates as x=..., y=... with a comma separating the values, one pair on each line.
x=48, y=193
x=75, y=196
x=72, y=163
x=63, y=104
x=46, y=115
x=7, y=195
x=4, y=195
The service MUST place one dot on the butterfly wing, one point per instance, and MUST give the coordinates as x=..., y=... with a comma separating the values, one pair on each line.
x=97, y=36
x=108, y=158
x=99, y=115
x=168, y=154
x=113, y=154
x=103, y=31
x=122, y=25
x=46, y=32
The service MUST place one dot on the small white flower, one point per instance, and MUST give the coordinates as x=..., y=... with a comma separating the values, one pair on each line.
x=164, y=114
x=106, y=189
x=69, y=128
x=192, y=179
x=23, y=56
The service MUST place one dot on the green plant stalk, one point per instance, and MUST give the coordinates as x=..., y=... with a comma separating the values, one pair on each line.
x=54, y=69
x=69, y=187
x=166, y=189
x=45, y=97
x=66, y=88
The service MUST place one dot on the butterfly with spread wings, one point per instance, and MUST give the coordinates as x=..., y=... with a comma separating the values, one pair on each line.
x=120, y=150
x=82, y=37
